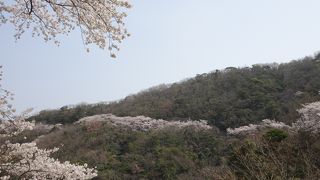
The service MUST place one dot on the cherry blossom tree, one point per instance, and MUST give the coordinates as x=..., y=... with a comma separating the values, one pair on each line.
x=309, y=121
x=252, y=128
x=101, y=22
x=26, y=160
x=140, y=122
x=6, y=109
x=310, y=118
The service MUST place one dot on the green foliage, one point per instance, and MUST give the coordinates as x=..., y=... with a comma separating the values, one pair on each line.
x=120, y=153
x=228, y=98
x=276, y=135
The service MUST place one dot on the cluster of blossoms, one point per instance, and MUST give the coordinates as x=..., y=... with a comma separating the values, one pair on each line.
x=143, y=123
x=310, y=118
x=27, y=161
x=309, y=121
x=101, y=22
x=6, y=109
x=10, y=128
x=252, y=128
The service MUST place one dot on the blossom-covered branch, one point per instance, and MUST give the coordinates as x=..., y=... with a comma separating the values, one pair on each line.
x=27, y=161
x=6, y=109
x=101, y=22
x=10, y=128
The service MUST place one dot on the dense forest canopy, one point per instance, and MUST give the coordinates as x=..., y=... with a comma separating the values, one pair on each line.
x=226, y=98
x=273, y=150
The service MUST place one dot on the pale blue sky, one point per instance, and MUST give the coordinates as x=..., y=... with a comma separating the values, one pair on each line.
x=171, y=40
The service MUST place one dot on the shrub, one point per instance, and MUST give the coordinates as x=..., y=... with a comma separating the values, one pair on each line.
x=276, y=135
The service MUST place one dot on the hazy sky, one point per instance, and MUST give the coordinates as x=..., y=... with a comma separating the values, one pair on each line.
x=171, y=40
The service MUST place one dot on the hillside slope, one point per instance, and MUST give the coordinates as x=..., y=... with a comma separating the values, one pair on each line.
x=226, y=98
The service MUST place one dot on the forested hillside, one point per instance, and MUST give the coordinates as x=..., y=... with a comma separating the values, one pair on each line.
x=113, y=147
x=145, y=148
x=226, y=98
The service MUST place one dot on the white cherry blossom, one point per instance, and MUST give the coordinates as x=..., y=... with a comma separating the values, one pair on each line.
x=309, y=121
x=101, y=22
x=142, y=123
x=310, y=118
x=27, y=161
